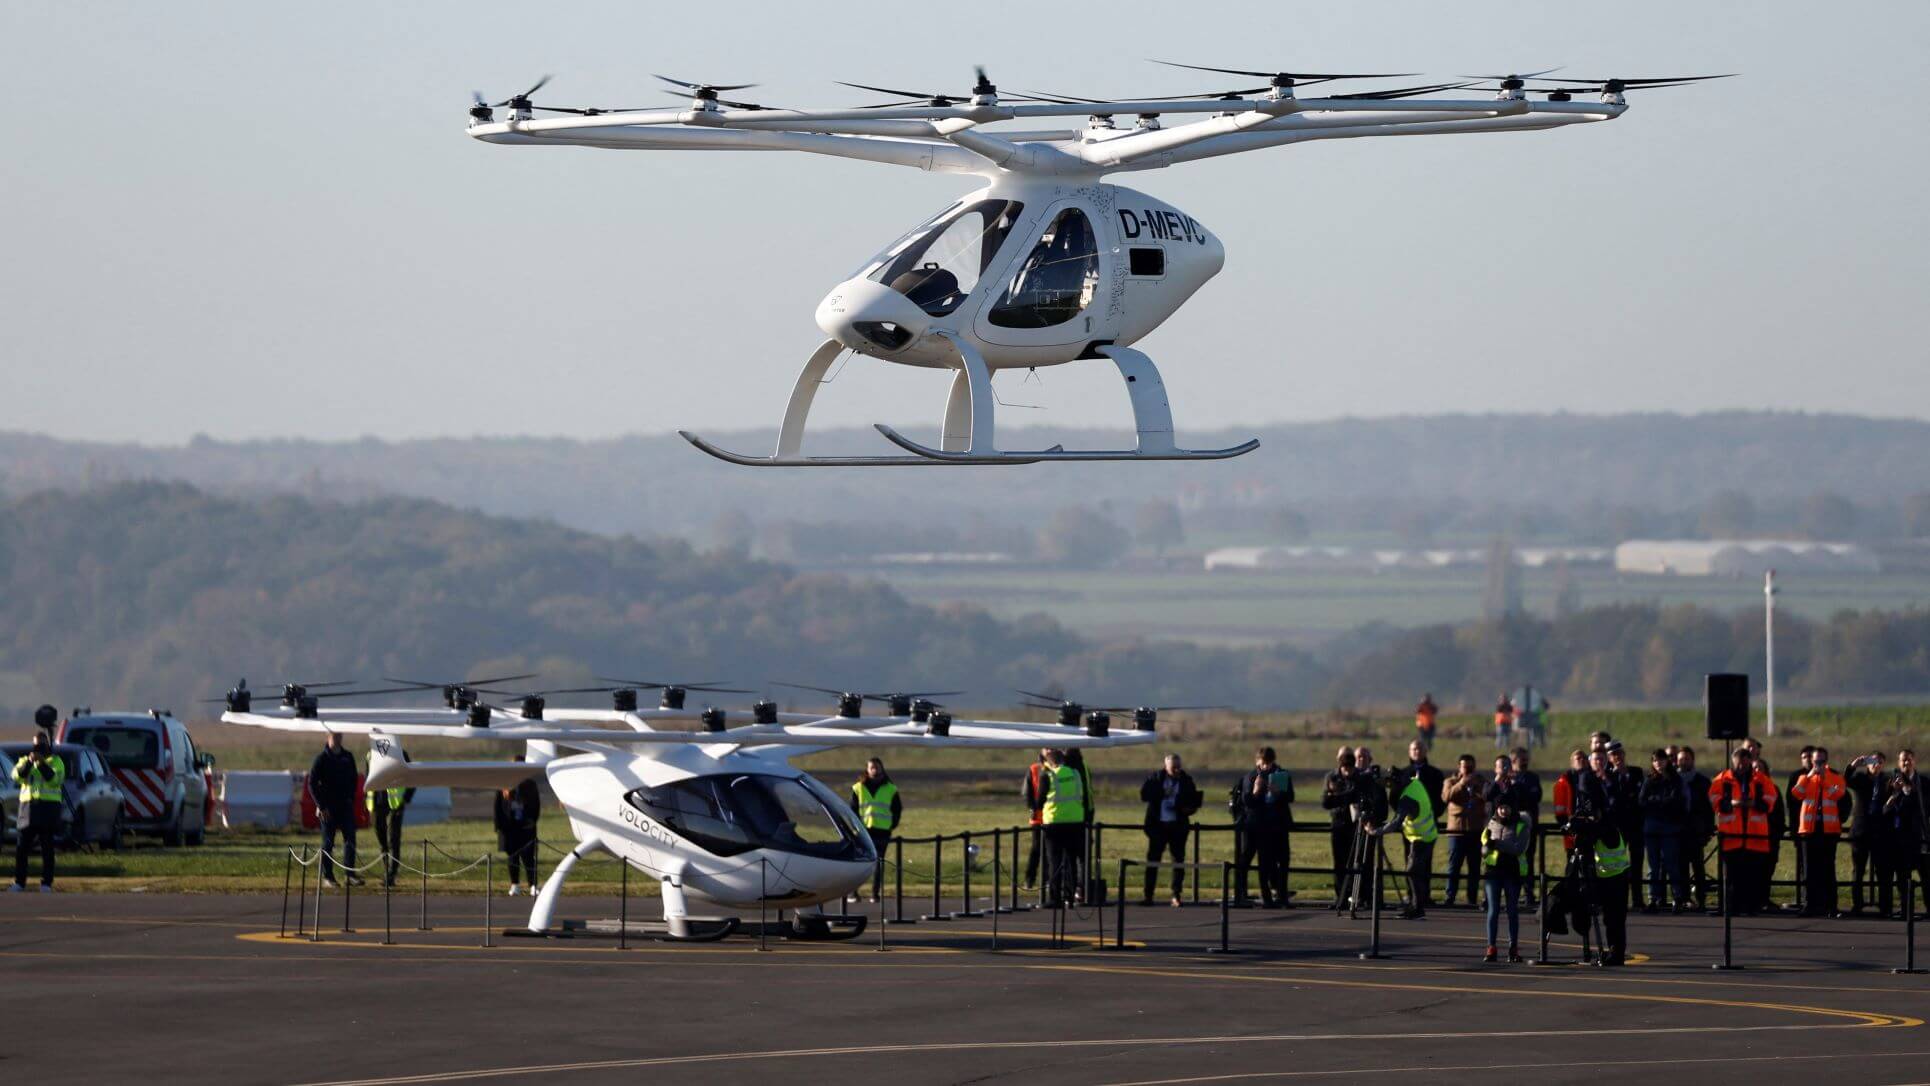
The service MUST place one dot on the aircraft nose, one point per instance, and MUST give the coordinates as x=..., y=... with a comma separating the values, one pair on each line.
x=871, y=317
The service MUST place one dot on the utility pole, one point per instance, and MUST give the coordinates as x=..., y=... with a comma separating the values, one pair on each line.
x=1769, y=647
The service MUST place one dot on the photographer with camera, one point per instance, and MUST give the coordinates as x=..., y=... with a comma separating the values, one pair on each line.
x=1698, y=827
x=1264, y=795
x=1171, y=799
x=41, y=775
x=1864, y=783
x=1817, y=797
x=1412, y=812
x=1663, y=814
x=1340, y=798
x=1743, y=800
x=1504, y=869
x=1466, y=801
x=1902, y=832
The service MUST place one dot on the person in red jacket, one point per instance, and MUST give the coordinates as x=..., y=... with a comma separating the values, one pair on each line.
x=1819, y=825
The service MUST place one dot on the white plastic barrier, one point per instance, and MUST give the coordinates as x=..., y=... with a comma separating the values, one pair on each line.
x=429, y=805
x=259, y=798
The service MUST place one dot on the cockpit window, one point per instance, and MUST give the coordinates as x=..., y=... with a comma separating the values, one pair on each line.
x=728, y=814
x=1057, y=279
x=938, y=265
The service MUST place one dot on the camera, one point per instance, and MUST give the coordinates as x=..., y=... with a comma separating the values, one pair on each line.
x=1235, y=801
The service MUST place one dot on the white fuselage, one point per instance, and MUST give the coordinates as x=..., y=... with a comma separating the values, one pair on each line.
x=1029, y=271
x=741, y=861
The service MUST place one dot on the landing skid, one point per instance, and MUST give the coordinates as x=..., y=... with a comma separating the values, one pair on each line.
x=967, y=434
x=846, y=461
x=1058, y=453
x=698, y=930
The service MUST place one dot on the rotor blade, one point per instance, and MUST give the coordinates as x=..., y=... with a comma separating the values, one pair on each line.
x=359, y=693
x=819, y=689
x=540, y=84
x=1674, y=79
x=921, y=96
x=646, y=684
x=1516, y=75
x=470, y=683
x=912, y=694
x=1399, y=92
x=1298, y=77
x=1042, y=697
x=1202, y=68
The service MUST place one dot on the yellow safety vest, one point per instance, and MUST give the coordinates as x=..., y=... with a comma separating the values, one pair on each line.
x=394, y=797
x=1610, y=862
x=874, y=808
x=1421, y=826
x=33, y=787
x=1492, y=857
x=1066, y=800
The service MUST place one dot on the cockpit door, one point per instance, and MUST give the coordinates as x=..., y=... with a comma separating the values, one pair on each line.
x=1050, y=294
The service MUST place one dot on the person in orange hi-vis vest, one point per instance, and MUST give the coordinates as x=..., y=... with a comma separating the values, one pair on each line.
x=1425, y=716
x=1565, y=794
x=1743, y=800
x=1819, y=825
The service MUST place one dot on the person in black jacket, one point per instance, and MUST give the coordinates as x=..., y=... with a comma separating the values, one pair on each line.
x=1172, y=799
x=1901, y=833
x=517, y=812
x=1625, y=807
x=1340, y=798
x=1264, y=798
x=1862, y=784
x=385, y=807
x=1698, y=827
x=332, y=780
x=1663, y=814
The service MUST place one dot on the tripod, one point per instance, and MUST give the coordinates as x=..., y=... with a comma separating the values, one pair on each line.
x=1580, y=874
x=1360, y=872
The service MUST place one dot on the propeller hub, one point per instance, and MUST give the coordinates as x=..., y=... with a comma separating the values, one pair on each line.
x=623, y=700
x=713, y=719
x=764, y=711
x=851, y=705
x=1098, y=724
x=533, y=707
x=307, y=707
x=673, y=697
x=940, y=724
x=1070, y=713
x=1145, y=719
x=478, y=714
x=901, y=704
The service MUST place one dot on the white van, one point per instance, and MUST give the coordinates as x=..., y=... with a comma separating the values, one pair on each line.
x=153, y=758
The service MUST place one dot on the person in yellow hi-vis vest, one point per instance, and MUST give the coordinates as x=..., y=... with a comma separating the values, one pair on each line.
x=41, y=774
x=1064, y=820
x=875, y=799
x=1413, y=813
x=385, y=817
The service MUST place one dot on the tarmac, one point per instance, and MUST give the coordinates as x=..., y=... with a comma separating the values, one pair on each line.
x=219, y=988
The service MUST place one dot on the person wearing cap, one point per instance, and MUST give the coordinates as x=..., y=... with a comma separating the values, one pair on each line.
x=1625, y=809
x=40, y=775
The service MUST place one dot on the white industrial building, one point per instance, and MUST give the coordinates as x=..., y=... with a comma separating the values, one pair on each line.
x=1361, y=560
x=1741, y=557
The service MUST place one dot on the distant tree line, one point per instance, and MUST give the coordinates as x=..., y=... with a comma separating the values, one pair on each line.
x=154, y=594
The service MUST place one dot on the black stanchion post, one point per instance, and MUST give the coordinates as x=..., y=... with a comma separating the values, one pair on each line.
x=998, y=860
x=1909, y=924
x=1372, y=953
x=763, y=891
x=623, y=907
x=287, y=876
x=422, y=921
x=881, y=927
x=1728, y=909
x=301, y=898
x=1119, y=896
x=898, y=881
x=1197, y=860
x=1225, y=947
x=937, y=879
x=489, y=892
x=965, y=852
x=348, y=896
x=388, y=919
x=316, y=936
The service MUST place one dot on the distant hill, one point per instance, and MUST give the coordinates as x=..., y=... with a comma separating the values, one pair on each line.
x=157, y=594
x=1574, y=466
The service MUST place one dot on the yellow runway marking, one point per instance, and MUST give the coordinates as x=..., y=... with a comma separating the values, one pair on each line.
x=1125, y=1042
x=1864, y=1018
x=1515, y=1067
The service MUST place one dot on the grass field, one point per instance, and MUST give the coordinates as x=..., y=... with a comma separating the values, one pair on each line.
x=1263, y=607
x=951, y=791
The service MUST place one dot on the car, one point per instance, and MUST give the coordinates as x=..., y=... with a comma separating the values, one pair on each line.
x=153, y=758
x=93, y=808
x=9, y=803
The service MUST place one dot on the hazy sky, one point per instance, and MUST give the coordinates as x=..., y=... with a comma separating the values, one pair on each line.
x=252, y=219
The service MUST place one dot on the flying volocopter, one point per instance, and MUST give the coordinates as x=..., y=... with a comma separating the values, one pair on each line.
x=718, y=814
x=1046, y=263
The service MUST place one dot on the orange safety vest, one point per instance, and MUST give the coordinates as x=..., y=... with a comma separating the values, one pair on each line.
x=1742, y=826
x=1424, y=716
x=1822, y=798
x=1038, y=793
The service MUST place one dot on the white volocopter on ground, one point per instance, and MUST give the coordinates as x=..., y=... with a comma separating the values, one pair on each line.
x=717, y=814
x=1046, y=264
